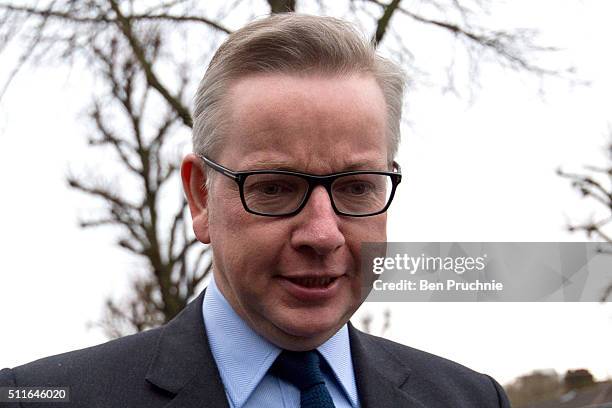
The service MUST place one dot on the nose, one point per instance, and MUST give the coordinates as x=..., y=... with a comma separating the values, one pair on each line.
x=317, y=229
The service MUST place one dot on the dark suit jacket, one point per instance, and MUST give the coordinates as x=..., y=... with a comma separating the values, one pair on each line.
x=172, y=367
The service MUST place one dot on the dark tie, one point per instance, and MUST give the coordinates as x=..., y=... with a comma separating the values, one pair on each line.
x=303, y=370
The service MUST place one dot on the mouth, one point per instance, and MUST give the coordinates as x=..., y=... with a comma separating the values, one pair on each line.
x=312, y=289
x=320, y=282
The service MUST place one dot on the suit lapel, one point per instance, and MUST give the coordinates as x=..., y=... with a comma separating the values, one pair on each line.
x=379, y=375
x=183, y=364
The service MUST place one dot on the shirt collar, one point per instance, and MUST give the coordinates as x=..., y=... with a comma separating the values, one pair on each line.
x=243, y=357
x=337, y=353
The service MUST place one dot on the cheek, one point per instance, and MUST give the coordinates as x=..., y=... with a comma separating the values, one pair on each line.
x=226, y=215
x=367, y=229
x=244, y=241
x=372, y=229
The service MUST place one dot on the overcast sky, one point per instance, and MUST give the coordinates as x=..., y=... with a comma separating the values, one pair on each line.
x=483, y=171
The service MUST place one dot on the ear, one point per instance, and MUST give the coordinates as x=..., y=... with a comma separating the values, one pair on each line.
x=194, y=183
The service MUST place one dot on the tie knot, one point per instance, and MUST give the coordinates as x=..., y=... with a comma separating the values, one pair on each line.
x=300, y=368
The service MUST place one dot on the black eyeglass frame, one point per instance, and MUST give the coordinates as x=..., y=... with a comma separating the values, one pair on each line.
x=313, y=180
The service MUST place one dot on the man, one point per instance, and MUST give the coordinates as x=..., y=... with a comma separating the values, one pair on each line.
x=296, y=125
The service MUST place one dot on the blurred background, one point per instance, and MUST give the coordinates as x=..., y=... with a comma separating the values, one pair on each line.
x=506, y=137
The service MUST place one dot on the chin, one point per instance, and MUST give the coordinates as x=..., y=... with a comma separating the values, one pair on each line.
x=311, y=326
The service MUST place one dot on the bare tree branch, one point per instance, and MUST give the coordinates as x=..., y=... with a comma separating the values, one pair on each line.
x=104, y=19
x=591, y=185
x=125, y=26
x=101, y=192
x=49, y=12
x=184, y=18
x=26, y=55
x=508, y=46
x=281, y=6
x=383, y=22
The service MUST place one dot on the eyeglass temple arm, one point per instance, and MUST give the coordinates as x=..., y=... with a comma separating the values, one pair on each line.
x=215, y=166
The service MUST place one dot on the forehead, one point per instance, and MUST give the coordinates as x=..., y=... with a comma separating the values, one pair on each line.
x=309, y=123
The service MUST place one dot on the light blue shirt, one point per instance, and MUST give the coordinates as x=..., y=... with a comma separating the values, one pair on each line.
x=244, y=357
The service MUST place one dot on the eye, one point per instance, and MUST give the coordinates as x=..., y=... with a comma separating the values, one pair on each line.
x=271, y=188
x=356, y=188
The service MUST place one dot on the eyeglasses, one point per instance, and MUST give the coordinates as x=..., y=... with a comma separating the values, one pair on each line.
x=278, y=193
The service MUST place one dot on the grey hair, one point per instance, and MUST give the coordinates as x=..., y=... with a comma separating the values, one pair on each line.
x=291, y=43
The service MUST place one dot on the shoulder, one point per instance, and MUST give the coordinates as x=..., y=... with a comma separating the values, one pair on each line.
x=416, y=360
x=145, y=369
x=98, y=365
x=431, y=375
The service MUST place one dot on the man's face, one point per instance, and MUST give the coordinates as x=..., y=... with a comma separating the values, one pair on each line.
x=316, y=125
